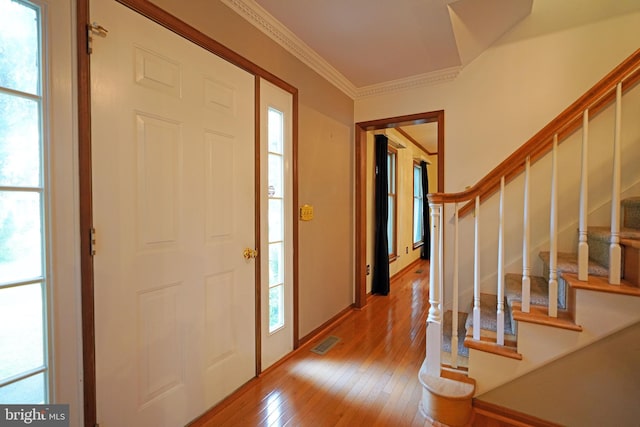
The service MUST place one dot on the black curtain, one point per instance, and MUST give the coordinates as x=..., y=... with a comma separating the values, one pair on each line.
x=425, y=253
x=380, y=283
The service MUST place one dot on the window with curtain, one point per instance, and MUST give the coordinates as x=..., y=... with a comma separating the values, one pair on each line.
x=418, y=196
x=392, y=160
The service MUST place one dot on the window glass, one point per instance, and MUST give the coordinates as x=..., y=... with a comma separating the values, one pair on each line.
x=276, y=307
x=30, y=390
x=19, y=140
x=392, y=201
x=19, y=47
x=21, y=330
x=417, y=205
x=20, y=236
x=275, y=173
x=275, y=131
x=276, y=217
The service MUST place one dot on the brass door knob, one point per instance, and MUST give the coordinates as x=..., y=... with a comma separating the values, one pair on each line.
x=249, y=253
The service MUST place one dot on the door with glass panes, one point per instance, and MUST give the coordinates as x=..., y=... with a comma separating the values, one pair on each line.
x=276, y=223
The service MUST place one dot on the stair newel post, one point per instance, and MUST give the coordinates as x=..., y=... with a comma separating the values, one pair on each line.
x=476, y=273
x=615, y=252
x=526, y=242
x=583, y=246
x=434, y=318
x=454, y=317
x=553, y=231
x=500, y=311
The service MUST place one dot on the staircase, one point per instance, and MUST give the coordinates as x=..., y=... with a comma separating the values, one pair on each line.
x=584, y=283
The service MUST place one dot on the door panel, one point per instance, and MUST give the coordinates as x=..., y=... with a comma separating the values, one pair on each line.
x=174, y=205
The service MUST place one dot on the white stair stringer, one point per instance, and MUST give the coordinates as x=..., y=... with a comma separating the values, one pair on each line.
x=600, y=314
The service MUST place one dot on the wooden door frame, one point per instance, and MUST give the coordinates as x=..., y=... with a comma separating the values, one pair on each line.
x=165, y=19
x=361, y=130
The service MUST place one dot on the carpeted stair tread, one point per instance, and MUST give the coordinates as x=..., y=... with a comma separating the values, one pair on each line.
x=488, y=310
x=446, y=333
x=568, y=263
x=631, y=212
x=603, y=233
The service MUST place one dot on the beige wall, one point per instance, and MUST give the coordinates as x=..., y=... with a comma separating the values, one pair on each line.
x=325, y=159
x=595, y=386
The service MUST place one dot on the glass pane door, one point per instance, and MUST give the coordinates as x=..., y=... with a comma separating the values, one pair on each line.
x=275, y=214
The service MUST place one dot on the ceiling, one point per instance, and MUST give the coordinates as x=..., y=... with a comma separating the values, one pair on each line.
x=363, y=46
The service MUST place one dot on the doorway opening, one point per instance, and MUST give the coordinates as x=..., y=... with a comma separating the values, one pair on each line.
x=398, y=124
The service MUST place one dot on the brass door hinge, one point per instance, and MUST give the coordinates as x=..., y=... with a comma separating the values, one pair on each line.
x=92, y=241
x=94, y=30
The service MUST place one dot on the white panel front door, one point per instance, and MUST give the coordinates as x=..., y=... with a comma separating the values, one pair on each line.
x=174, y=206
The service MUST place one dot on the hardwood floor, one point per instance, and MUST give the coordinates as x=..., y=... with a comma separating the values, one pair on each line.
x=369, y=378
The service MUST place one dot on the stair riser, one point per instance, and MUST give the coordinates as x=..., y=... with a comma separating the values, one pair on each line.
x=631, y=213
x=562, y=287
x=631, y=261
x=599, y=252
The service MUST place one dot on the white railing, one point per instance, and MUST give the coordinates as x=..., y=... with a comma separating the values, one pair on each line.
x=500, y=298
x=455, y=285
x=553, y=232
x=583, y=246
x=610, y=89
x=526, y=239
x=615, y=252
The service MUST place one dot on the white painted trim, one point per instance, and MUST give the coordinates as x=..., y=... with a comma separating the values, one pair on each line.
x=269, y=25
x=427, y=79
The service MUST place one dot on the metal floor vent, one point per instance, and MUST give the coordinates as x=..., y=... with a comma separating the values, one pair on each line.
x=325, y=345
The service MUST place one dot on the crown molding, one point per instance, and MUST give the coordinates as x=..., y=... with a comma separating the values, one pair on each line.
x=413, y=82
x=265, y=22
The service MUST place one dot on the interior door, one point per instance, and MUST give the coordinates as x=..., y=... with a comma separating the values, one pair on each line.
x=174, y=205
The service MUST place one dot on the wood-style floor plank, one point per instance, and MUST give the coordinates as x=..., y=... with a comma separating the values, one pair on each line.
x=369, y=378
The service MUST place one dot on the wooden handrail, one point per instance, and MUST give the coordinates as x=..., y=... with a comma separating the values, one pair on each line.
x=567, y=122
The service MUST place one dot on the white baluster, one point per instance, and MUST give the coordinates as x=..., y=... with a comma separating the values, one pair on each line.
x=434, y=318
x=583, y=246
x=526, y=242
x=500, y=312
x=441, y=268
x=615, y=252
x=476, y=273
x=553, y=231
x=454, y=317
